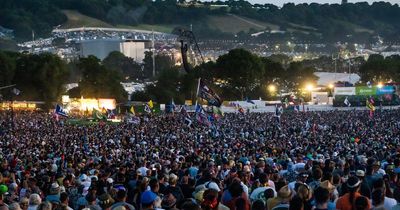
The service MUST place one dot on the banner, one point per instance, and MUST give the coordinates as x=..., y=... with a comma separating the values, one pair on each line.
x=363, y=90
x=345, y=91
x=385, y=90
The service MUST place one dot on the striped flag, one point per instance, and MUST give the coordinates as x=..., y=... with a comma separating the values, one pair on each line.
x=347, y=102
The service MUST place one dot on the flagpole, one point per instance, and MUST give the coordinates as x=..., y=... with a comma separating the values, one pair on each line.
x=197, y=92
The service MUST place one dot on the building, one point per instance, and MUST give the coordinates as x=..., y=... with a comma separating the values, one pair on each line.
x=135, y=49
x=102, y=47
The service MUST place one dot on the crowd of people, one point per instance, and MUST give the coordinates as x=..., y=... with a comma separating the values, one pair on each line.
x=343, y=160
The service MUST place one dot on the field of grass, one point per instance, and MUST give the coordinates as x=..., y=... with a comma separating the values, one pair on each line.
x=159, y=28
x=235, y=24
x=76, y=20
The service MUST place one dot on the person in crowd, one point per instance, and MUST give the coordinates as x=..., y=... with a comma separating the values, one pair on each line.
x=347, y=201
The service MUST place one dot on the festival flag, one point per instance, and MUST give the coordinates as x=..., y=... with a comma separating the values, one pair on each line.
x=278, y=113
x=60, y=111
x=132, y=110
x=286, y=102
x=209, y=95
x=241, y=110
x=151, y=105
x=96, y=114
x=250, y=101
x=111, y=113
x=147, y=108
x=217, y=111
x=201, y=116
x=370, y=106
x=188, y=119
x=173, y=106
x=347, y=102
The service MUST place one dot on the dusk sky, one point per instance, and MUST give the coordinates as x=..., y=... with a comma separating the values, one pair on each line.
x=281, y=2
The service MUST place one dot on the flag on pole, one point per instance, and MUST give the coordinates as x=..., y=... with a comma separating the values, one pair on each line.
x=217, y=111
x=209, y=95
x=132, y=110
x=370, y=106
x=250, y=101
x=201, y=116
x=111, y=113
x=60, y=111
x=151, y=105
x=347, y=102
x=278, y=113
x=147, y=108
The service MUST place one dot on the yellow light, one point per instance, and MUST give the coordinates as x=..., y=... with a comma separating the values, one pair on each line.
x=271, y=88
x=380, y=85
x=330, y=86
x=309, y=87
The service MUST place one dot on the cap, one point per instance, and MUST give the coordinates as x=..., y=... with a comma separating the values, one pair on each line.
x=3, y=189
x=105, y=201
x=360, y=173
x=148, y=197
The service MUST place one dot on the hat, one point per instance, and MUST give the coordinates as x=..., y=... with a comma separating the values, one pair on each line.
x=110, y=180
x=54, y=189
x=3, y=189
x=148, y=197
x=169, y=201
x=360, y=173
x=105, y=201
x=353, y=182
x=285, y=192
x=212, y=185
x=327, y=185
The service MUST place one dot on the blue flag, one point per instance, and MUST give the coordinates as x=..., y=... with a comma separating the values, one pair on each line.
x=250, y=101
x=60, y=111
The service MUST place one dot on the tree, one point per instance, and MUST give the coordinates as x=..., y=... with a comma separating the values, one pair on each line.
x=41, y=77
x=162, y=62
x=125, y=66
x=98, y=81
x=7, y=69
x=240, y=70
x=167, y=87
x=296, y=76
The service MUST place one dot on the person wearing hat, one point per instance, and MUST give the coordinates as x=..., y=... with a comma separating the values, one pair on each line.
x=300, y=179
x=54, y=193
x=347, y=201
x=147, y=200
x=332, y=193
x=174, y=189
x=365, y=190
x=121, y=200
x=105, y=201
x=282, y=200
x=3, y=191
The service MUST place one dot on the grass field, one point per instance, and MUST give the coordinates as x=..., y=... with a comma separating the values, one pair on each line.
x=235, y=24
x=76, y=20
x=159, y=28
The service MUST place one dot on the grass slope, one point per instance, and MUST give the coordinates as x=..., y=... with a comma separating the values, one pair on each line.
x=234, y=24
x=76, y=20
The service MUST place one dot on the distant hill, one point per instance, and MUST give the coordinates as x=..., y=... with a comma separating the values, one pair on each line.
x=358, y=22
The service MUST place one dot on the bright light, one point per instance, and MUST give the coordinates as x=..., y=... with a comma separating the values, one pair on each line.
x=309, y=87
x=330, y=86
x=380, y=85
x=271, y=88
